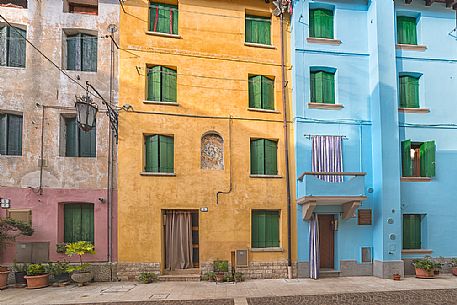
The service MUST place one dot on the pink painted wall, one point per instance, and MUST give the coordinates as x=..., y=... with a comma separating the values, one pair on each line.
x=47, y=219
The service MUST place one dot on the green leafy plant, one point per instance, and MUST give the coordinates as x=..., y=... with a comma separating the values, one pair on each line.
x=220, y=266
x=228, y=278
x=425, y=263
x=239, y=277
x=147, y=277
x=58, y=268
x=61, y=248
x=79, y=248
x=19, y=267
x=36, y=269
x=12, y=228
x=453, y=262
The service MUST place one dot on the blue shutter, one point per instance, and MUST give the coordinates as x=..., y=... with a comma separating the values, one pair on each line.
x=3, y=48
x=14, y=146
x=16, y=47
x=87, y=142
x=74, y=52
x=71, y=145
x=3, y=128
x=89, y=53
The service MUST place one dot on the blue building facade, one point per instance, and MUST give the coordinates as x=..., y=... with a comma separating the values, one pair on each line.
x=379, y=77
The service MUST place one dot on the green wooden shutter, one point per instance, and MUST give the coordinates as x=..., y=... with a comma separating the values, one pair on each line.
x=3, y=45
x=328, y=84
x=3, y=133
x=255, y=92
x=168, y=85
x=404, y=81
x=87, y=222
x=258, y=30
x=258, y=229
x=321, y=23
x=312, y=23
x=16, y=47
x=74, y=52
x=155, y=83
x=317, y=86
x=248, y=29
x=406, y=30
x=427, y=159
x=411, y=231
x=166, y=154
x=258, y=157
x=265, y=34
x=267, y=93
x=14, y=137
x=71, y=144
x=272, y=229
x=152, y=154
x=89, y=53
x=271, y=163
x=72, y=223
x=409, y=91
x=406, y=158
x=87, y=142
x=175, y=16
x=164, y=24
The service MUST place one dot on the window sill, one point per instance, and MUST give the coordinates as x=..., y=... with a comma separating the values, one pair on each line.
x=259, y=45
x=330, y=41
x=158, y=174
x=263, y=110
x=416, y=251
x=176, y=36
x=266, y=176
x=80, y=71
x=161, y=103
x=411, y=47
x=271, y=249
x=13, y=68
x=325, y=106
x=413, y=110
x=415, y=179
x=11, y=156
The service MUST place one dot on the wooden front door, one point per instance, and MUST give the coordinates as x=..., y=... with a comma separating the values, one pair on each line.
x=326, y=241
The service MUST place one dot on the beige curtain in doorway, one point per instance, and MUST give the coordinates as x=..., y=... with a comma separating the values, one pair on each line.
x=178, y=240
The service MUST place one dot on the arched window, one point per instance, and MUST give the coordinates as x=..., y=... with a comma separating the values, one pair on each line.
x=212, y=151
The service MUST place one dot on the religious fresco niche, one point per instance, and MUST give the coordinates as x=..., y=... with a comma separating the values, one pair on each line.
x=212, y=152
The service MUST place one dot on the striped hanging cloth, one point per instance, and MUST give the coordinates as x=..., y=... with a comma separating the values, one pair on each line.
x=314, y=261
x=328, y=157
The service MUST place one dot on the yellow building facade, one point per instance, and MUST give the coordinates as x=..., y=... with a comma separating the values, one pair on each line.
x=188, y=73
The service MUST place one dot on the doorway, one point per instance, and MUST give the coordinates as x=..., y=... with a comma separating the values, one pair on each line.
x=327, y=241
x=181, y=232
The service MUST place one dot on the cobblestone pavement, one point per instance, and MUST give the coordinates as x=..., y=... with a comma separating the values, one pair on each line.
x=409, y=297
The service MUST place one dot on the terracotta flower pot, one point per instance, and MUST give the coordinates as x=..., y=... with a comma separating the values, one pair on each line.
x=81, y=277
x=424, y=274
x=396, y=277
x=454, y=271
x=220, y=277
x=4, y=277
x=37, y=281
x=19, y=277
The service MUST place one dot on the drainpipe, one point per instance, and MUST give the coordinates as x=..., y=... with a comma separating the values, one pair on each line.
x=286, y=150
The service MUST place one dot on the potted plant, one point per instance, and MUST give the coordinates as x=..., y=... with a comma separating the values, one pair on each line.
x=59, y=271
x=37, y=276
x=9, y=230
x=220, y=268
x=454, y=266
x=20, y=271
x=437, y=267
x=396, y=276
x=147, y=277
x=80, y=273
x=424, y=268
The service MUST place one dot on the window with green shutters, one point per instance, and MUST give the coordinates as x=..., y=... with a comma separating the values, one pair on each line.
x=258, y=30
x=161, y=84
x=322, y=87
x=406, y=30
x=82, y=52
x=418, y=159
x=412, y=231
x=261, y=92
x=321, y=23
x=264, y=157
x=163, y=18
x=265, y=229
x=78, y=222
x=409, y=91
x=159, y=151
x=12, y=46
x=10, y=134
x=79, y=143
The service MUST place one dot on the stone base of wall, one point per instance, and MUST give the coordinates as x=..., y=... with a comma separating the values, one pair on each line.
x=303, y=270
x=385, y=269
x=352, y=268
x=256, y=270
x=131, y=271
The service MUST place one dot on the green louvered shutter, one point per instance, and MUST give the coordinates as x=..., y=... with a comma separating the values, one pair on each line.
x=163, y=25
x=406, y=30
x=271, y=162
x=3, y=45
x=411, y=231
x=174, y=16
x=258, y=229
x=166, y=154
x=16, y=47
x=14, y=147
x=163, y=18
x=427, y=159
x=168, y=85
x=409, y=91
x=272, y=229
x=404, y=82
x=267, y=93
x=265, y=34
x=321, y=23
x=258, y=157
x=74, y=52
x=152, y=154
x=72, y=223
x=249, y=28
x=71, y=141
x=258, y=30
x=3, y=133
x=87, y=222
x=89, y=53
x=255, y=92
x=317, y=87
x=406, y=158
x=155, y=83
x=328, y=80
x=87, y=142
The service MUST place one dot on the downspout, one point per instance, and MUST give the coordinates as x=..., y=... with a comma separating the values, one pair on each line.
x=286, y=150
x=40, y=189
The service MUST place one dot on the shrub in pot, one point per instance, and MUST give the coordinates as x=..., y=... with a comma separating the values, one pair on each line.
x=3, y=277
x=20, y=271
x=80, y=273
x=454, y=266
x=37, y=276
x=59, y=271
x=220, y=268
x=147, y=277
x=424, y=268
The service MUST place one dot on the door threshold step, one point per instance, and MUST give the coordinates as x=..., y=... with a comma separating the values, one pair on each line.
x=192, y=271
x=329, y=273
x=180, y=278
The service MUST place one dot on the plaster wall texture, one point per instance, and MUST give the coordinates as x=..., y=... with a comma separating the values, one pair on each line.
x=213, y=65
x=40, y=89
